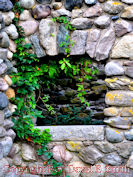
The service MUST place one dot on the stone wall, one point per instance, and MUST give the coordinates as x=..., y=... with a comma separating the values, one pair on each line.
x=85, y=151
x=7, y=135
x=103, y=33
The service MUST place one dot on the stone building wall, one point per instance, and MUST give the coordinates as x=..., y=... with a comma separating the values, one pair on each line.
x=103, y=33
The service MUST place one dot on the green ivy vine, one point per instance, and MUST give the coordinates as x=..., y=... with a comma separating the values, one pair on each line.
x=81, y=68
x=27, y=81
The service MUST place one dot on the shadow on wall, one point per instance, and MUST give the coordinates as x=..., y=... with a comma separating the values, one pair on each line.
x=62, y=97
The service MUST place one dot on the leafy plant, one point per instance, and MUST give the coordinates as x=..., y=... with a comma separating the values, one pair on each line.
x=27, y=80
x=31, y=74
x=82, y=68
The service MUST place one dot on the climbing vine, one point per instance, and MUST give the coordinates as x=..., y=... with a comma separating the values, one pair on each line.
x=81, y=68
x=27, y=81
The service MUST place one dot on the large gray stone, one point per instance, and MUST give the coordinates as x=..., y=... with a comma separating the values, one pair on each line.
x=122, y=27
x=114, y=68
x=61, y=12
x=128, y=13
x=61, y=154
x=90, y=155
x=93, y=37
x=70, y=4
x=119, y=98
x=105, y=146
x=48, y=35
x=29, y=26
x=8, y=124
x=7, y=145
x=124, y=149
x=11, y=30
x=105, y=44
x=94, y=11
x=76, y=13
x=4, y=42
x=3, y=101
x=112, y=159
x=41, y=11
x=7, y=18
x=77, y=133
x=7, y=113
x=11, y=133
x=79, y=37
x=81, y=23
x=27, y=4
x=113, y=135
x=119, y=111
x=119, y=83
x=61, y=37
x=25, y=15
x=113, y=7
x=28, y=152
x=123, y=48
x=38, y=49
x=119, y=122
x=5, y=5
x=3, y=54
x=102, y=21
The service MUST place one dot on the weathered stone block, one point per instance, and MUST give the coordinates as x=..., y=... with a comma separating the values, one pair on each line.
x=7, y=145
x=105, y=146
x=105, y=44
x=112, y=159
x=93, y=37
x=82, y=23
x=119, y=122
x=48, y=35
x=79, y=38
x=77, y=133
x=121, y=111
x=3, y=101
x=128, y=13
x=90, y=155
x=28, y=152
x=38, y=49
x=113, y=68
x=123, y=48
x=119, y=98
x=114, y=135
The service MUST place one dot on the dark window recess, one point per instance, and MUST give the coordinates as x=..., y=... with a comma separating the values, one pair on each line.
x=69, y=110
